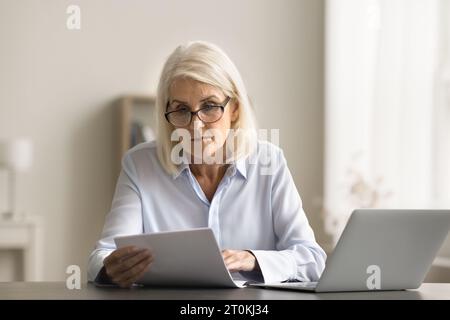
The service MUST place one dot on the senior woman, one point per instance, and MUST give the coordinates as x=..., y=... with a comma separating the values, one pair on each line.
x=256, y=214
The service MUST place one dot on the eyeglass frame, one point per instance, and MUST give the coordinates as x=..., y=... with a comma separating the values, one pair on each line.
x=194, y=113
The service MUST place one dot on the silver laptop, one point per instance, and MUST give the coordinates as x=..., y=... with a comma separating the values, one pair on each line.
x=381, y=249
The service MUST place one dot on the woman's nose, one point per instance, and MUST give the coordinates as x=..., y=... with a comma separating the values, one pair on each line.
x=196, y=123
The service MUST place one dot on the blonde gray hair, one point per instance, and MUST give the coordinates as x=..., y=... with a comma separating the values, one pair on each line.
x=207, y=63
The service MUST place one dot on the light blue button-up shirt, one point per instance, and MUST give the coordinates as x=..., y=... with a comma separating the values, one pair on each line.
x=256, y=207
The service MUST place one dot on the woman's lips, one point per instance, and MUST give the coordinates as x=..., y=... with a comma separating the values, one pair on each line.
x=203, y=138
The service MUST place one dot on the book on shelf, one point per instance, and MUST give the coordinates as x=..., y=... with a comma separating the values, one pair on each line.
x=141, y=133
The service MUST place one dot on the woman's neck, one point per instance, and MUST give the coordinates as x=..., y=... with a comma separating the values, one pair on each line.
x=209, y=172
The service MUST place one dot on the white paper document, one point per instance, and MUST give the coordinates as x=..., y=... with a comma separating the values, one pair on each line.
x=183, y=258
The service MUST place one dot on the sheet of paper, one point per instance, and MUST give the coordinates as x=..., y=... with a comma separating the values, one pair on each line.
x=183, y=258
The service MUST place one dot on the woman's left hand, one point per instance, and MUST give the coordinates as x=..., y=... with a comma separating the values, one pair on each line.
x=239, y=260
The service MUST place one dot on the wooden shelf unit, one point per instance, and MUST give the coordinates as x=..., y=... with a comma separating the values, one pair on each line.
x=131, y=108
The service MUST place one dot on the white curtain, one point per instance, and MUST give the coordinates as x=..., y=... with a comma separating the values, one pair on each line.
x=387, y=106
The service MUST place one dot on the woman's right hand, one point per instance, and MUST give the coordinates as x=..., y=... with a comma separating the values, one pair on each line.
x=126, y=265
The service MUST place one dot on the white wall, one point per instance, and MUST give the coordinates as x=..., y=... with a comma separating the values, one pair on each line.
x=56, y=87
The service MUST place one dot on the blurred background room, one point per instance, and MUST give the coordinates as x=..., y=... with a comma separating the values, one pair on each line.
x=359, y=89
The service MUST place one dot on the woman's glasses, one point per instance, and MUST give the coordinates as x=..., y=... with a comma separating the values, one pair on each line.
x=209, y=113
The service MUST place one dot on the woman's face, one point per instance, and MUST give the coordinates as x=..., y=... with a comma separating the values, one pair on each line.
x=205, y=138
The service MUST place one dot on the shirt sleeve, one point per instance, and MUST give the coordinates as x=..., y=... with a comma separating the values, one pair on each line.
x=298, y=256
x=124, y=218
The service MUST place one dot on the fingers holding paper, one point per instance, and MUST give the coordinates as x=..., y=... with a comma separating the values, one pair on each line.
x=239, y=260
x=126, y=265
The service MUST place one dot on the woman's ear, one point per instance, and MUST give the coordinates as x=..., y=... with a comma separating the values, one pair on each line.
x=234, y=111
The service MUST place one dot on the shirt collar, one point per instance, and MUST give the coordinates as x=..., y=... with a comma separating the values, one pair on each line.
x=241, y=167
x=181, y=167
x=238, y=165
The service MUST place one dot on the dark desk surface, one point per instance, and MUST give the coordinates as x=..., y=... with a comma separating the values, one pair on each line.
x=58, y=291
